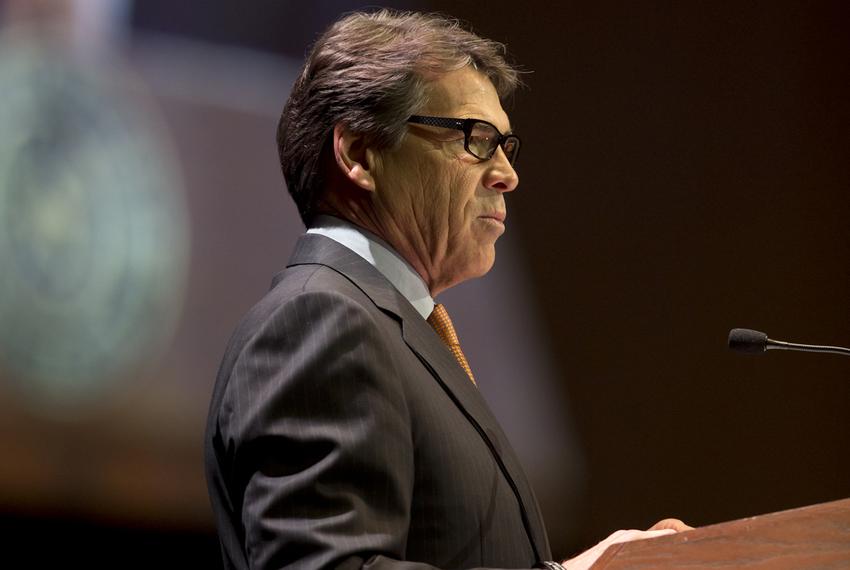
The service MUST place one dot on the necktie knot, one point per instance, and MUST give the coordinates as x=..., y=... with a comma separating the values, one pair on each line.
x=442, y=325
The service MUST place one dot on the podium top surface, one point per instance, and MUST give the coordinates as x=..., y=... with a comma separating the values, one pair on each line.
x=813, y=537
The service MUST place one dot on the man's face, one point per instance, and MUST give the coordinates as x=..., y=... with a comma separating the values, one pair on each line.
x=441, y=207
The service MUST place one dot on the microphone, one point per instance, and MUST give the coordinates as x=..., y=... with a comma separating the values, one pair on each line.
x=756, y=342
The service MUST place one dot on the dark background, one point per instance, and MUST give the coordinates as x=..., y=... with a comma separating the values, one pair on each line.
x=684, y=171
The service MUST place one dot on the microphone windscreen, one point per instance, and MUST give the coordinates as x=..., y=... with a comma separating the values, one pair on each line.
x=746, y=340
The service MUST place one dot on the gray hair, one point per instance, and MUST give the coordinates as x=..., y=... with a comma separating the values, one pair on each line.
x=370, y=72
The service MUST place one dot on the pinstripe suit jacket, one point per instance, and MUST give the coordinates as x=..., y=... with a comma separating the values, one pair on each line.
x=342, y=433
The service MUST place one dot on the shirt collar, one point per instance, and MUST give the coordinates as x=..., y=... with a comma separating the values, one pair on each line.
x=381, y=255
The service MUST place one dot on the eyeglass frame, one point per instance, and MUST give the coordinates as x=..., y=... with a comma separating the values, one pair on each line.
x=466, y=126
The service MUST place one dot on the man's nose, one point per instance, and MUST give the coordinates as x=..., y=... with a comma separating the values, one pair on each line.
x=500, y=175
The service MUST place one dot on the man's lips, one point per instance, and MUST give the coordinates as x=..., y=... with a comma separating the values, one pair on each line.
x=498, y=216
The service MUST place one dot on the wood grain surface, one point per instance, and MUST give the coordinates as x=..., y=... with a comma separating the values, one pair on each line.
x=814, y=537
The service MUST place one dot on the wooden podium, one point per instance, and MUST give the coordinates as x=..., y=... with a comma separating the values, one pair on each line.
x=808, y=538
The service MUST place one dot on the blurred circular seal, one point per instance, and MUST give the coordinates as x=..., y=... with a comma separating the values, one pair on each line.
x=93, y=227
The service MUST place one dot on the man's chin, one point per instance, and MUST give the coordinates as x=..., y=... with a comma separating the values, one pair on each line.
x=485, y=262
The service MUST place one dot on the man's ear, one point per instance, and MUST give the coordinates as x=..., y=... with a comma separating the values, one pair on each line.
x=354, y=158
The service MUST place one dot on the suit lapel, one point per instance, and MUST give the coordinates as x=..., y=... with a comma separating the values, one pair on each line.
x=417, y=333
x=422, y=339
x=424, y=342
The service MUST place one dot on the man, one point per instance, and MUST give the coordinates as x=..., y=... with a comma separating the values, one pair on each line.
x=344, y=430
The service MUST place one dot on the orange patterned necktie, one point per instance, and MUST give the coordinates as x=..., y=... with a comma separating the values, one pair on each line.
x=439, y=319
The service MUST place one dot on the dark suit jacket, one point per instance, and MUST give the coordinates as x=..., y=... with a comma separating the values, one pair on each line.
x=342, y=433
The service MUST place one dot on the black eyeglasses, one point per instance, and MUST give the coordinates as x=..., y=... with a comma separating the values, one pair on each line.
x=480, y=138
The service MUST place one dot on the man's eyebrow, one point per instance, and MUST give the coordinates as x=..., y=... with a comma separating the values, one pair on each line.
x=510, y=130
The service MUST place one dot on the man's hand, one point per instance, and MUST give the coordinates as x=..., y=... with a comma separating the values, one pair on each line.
x=586, y=559
x=674, y=524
